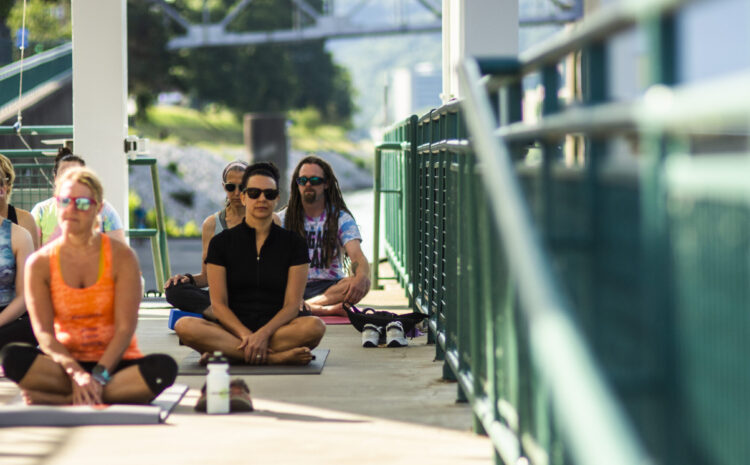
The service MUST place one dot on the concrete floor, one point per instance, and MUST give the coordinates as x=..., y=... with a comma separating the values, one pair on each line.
x=369, y=406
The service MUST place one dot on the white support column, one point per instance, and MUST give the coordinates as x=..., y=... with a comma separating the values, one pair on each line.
x=447, y=35
x=476, y=28
x=100, y=87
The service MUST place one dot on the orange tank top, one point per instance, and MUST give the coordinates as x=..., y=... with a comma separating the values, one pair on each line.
x=85, y=318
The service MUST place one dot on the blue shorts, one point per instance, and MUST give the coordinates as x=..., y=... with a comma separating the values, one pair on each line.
x=318, y=287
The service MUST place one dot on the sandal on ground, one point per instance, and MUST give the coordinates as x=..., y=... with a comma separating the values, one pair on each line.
x=200, y=406
x=239, y=396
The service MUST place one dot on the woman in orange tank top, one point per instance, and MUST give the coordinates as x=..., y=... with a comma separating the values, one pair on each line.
x=84, y=311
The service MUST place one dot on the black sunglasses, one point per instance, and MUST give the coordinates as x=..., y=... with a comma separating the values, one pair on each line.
x=314, y=180
x=254, y=193
x=229, y=187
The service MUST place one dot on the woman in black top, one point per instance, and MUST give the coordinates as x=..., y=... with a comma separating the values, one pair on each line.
x=257, y=273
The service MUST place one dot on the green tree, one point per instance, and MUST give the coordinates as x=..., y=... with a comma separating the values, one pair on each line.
x=322, y=83
x=6, y=45
x=48, y=23
x=246, y=78
x=272, y=77
x=149, y=62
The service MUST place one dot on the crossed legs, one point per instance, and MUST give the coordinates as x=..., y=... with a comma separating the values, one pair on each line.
x=330, y=302
x=289, y=345
x=45, y=382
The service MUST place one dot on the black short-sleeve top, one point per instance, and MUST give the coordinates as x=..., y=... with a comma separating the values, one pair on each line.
x=256, y=283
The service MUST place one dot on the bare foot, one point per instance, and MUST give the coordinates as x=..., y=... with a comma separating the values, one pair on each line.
x=328, y=310
x=203, y=361
x=295, y=356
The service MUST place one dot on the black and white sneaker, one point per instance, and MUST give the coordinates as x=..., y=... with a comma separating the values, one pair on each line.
x=370, y=335
x=394, y=335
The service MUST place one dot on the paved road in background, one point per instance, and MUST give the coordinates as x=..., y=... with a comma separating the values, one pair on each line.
x=185, y=254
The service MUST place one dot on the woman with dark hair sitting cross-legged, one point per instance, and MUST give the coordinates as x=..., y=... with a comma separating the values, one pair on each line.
x=256, y=276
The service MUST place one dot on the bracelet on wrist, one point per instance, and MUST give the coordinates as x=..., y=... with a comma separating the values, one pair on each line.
x=190, y=278
x=101, y=374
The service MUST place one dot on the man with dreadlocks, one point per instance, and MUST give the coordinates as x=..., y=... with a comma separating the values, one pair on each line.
x=317, y=211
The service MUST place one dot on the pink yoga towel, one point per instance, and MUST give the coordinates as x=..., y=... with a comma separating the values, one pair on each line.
x=335, y=320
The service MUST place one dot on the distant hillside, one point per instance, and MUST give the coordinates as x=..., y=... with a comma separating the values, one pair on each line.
x=369, y=61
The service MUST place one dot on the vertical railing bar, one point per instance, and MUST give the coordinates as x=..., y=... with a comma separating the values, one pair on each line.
x=376, y=221
x=550, y=149
x=161, y=224
x=661, y=39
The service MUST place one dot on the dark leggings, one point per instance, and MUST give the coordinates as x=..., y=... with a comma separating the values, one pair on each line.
x=188, y=297
x=18, y=330
x=158, y=370
x=318, y=286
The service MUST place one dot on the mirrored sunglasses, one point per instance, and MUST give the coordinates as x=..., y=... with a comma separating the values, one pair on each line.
x=230, y=187
x=314, y=180
x=254, y=193
x=80, y=203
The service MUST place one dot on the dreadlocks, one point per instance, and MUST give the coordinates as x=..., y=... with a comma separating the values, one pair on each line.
x=295, y=213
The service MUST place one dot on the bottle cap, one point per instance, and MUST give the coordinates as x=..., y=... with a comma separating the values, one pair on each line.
x=217, y=357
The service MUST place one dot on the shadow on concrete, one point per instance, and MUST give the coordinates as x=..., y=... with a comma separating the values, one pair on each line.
x=298, y=417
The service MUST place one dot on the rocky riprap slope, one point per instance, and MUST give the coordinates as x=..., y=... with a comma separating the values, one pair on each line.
x=198, y=177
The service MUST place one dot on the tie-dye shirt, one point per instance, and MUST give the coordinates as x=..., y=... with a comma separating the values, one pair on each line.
x=45, y=216
x=314, y=228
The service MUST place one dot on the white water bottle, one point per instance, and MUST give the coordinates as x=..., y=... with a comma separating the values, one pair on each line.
x=217, y=384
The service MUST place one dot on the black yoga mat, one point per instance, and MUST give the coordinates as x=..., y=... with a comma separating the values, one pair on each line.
x=189, y=366
x=17, y=414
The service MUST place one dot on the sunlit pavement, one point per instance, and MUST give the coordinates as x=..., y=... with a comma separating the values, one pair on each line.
x=369, y=406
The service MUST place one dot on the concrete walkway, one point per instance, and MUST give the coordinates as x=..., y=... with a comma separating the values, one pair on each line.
x=369, y=406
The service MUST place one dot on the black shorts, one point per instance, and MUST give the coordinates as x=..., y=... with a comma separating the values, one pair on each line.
x=255, y=322
x=18, y=330
x=158, y=370
x=318, y=286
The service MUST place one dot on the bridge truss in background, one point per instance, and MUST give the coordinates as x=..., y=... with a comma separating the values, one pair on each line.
x=336, y=19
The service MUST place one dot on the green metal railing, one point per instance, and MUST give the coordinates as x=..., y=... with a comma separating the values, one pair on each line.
x=35, y=182
x=592, y=312
x=394, y=176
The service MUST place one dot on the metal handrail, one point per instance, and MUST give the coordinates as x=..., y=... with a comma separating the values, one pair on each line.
x=701, y=106
x=604, y=23
x=62, y=130
x=600, y=433
x=602, y=229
